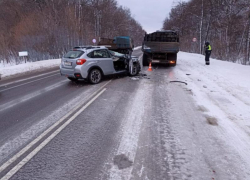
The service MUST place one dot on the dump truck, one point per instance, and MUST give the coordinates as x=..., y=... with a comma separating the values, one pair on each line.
x=121, y=44
x=160, y=47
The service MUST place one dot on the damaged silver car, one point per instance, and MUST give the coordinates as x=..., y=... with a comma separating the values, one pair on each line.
x=94, y=62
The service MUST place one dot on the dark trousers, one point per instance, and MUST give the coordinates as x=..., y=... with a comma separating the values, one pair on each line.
x=208, y=53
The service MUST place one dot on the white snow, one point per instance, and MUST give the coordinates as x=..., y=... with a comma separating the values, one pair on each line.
x=137, y=48
x=6, y=71
x=222, y=91
x=221, y=85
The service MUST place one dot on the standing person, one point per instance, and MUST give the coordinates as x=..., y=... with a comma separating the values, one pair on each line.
x=208, y=50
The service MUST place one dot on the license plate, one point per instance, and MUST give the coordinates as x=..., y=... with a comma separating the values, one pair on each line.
x=155, y=61
x=66, y=63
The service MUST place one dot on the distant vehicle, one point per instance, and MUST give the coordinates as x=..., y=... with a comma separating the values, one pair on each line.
x=94, y=62
x=160, y=47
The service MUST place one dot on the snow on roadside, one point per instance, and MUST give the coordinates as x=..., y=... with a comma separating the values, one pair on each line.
x=28, y=67
x=222, y=93
x=137, y=48
x=224, y=82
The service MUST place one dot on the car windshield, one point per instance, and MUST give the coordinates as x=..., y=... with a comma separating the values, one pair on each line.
x=73, y=54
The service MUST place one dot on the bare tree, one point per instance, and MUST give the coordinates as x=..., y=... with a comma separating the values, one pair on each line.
x=48, y=28
x=225, y=23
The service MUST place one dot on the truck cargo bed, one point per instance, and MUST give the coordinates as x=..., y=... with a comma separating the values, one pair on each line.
x=161, y=47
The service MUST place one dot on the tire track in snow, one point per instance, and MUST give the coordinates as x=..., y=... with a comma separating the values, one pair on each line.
x=131, y=128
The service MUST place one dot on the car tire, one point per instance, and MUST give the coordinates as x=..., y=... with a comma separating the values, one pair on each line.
x=145, y=60
x=72, y=79
x=136, y=70
x=95, y=76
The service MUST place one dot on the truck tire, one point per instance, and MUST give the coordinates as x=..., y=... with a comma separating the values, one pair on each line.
x=174, y=63
x=145, y=60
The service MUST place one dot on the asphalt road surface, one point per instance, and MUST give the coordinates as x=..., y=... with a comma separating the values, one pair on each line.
x=124, y=128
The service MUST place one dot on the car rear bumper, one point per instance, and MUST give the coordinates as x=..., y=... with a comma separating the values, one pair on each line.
x=74, y=73
x=67, y=72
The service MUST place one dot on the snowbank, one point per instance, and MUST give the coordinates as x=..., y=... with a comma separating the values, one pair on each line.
x=28, y=67
x=220, y=86
x=222, y=92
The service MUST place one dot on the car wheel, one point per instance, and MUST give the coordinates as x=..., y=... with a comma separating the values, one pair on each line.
x=135, y=70
x=73, y=79
x=95, y=76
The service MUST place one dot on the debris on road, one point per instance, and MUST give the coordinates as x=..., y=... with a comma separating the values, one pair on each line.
x=140, y=76
x=135, y=78
x=179, y=82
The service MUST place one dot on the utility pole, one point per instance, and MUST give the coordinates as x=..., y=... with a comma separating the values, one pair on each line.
x=201, y=25
x=248, y=40
x=98, y=16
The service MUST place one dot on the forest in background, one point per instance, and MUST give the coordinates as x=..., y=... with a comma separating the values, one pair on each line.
x=223, y=23
x=49, y=28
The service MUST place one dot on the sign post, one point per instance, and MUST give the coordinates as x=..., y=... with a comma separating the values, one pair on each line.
x=23, y=54
x=94, y=41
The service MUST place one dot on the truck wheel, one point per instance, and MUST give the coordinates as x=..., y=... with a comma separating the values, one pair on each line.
x=145, y=60
x=95, y=76
x=172, y=57
x=174, y=63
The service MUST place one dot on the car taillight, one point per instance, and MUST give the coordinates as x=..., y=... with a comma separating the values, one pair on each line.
x=80, y=61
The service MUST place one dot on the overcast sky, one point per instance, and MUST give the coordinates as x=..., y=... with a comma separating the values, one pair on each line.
x=149, y=13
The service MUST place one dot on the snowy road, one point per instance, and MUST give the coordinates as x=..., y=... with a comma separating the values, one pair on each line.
x=144, y=128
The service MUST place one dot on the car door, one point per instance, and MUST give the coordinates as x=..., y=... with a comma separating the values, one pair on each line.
x=104, y=61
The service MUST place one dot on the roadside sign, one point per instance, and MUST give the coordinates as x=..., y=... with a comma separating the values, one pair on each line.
x=94, y=41
x=194, y=39
x=23, y=53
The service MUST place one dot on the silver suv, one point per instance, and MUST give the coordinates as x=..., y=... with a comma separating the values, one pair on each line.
x=94, y=62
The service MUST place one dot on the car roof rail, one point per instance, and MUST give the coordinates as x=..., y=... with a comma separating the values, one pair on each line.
x=92, y=47
x=88, y=47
